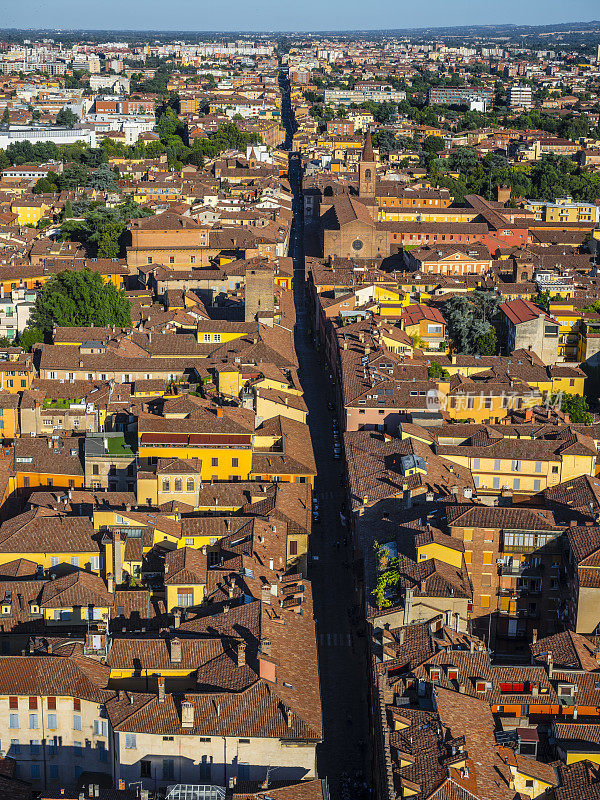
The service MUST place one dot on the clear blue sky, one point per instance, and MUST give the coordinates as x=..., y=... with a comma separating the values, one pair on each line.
x=296, y=15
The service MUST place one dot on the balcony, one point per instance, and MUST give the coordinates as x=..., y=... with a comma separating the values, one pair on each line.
x=521, y=570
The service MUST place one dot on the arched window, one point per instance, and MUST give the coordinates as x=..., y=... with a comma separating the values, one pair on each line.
x=367, y=174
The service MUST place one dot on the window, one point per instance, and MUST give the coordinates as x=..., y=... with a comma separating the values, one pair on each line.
x=95, y=562
x=487, y=557
x=207, y=337
x=76, y=722
x=130, y=741
x=496, y=483
x=178, y=484
x=52, y=722
x=480, y=686
x=244, y=769
x=516, y=466
x=485, y=601
x=34, y=747
x=293, y=547
x=13, y=721
x=78, y=749
x=235, y=462
x=189, y=542
x=166, y=485
x=205, y=767
x=100, y=727
x=214, y=462
x=13, y=702
x=145, y=769
x=95, y=469
x=51, y=703
x=538, y=466
x=516, y=483
x=190, y=485
x=185, y=597
x=33, y=722
x=74, y=561
x=15, y=747
x=476, y=463
x=36, y=772
x=555, y=470
x=76, y=704
x=537, y=485
x=168, y=769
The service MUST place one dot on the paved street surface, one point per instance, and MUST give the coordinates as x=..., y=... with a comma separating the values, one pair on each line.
x=342, y=661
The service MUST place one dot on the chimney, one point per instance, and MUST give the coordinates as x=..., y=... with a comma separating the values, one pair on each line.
x=241, y=653
x=161, y=689
x=288, y=715
x=265, y=646
x=110, y=582
x=187, y=715
x=176, y=651
x=535, y=635
x=177, y=618
x=550, y=665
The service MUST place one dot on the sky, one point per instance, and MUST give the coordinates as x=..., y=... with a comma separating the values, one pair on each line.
x=285, y=15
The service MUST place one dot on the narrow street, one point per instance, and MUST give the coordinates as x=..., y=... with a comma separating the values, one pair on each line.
x=342, y=660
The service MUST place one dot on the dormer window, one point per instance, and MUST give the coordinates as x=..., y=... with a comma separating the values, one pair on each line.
x=452, y=674
x=434, y=674
x=480, y=686
x=566, y=690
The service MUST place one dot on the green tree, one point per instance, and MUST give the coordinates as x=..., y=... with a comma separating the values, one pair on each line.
x=102, y=179
x=5, y=121
x=433, y=144
x=575, y=406
x=468, y=320
x=66, y=118
x=487, y=344
x=29, y=337
x=79, y=298
x=436, y=370
x=46, y=185
x=385, y=141
x=68, y=210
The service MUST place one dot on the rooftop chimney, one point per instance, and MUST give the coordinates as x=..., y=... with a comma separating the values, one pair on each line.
x=176, y=651
x=161, y=689
x=241, y=653
x=187, y=715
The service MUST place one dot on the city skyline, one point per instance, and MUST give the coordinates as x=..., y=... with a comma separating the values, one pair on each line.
x=267, y=15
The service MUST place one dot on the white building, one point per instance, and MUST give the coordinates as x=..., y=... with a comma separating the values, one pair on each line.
x=59, y=136
x=519, y=96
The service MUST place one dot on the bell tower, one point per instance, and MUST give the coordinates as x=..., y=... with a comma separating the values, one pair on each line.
x=367, y=170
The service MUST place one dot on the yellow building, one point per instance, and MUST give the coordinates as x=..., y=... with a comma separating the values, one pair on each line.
x=185, y=578
x=563, y=210
x=29, y=212
x=214, y=437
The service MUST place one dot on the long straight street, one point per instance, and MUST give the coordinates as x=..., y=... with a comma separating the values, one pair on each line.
x=342, y=660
